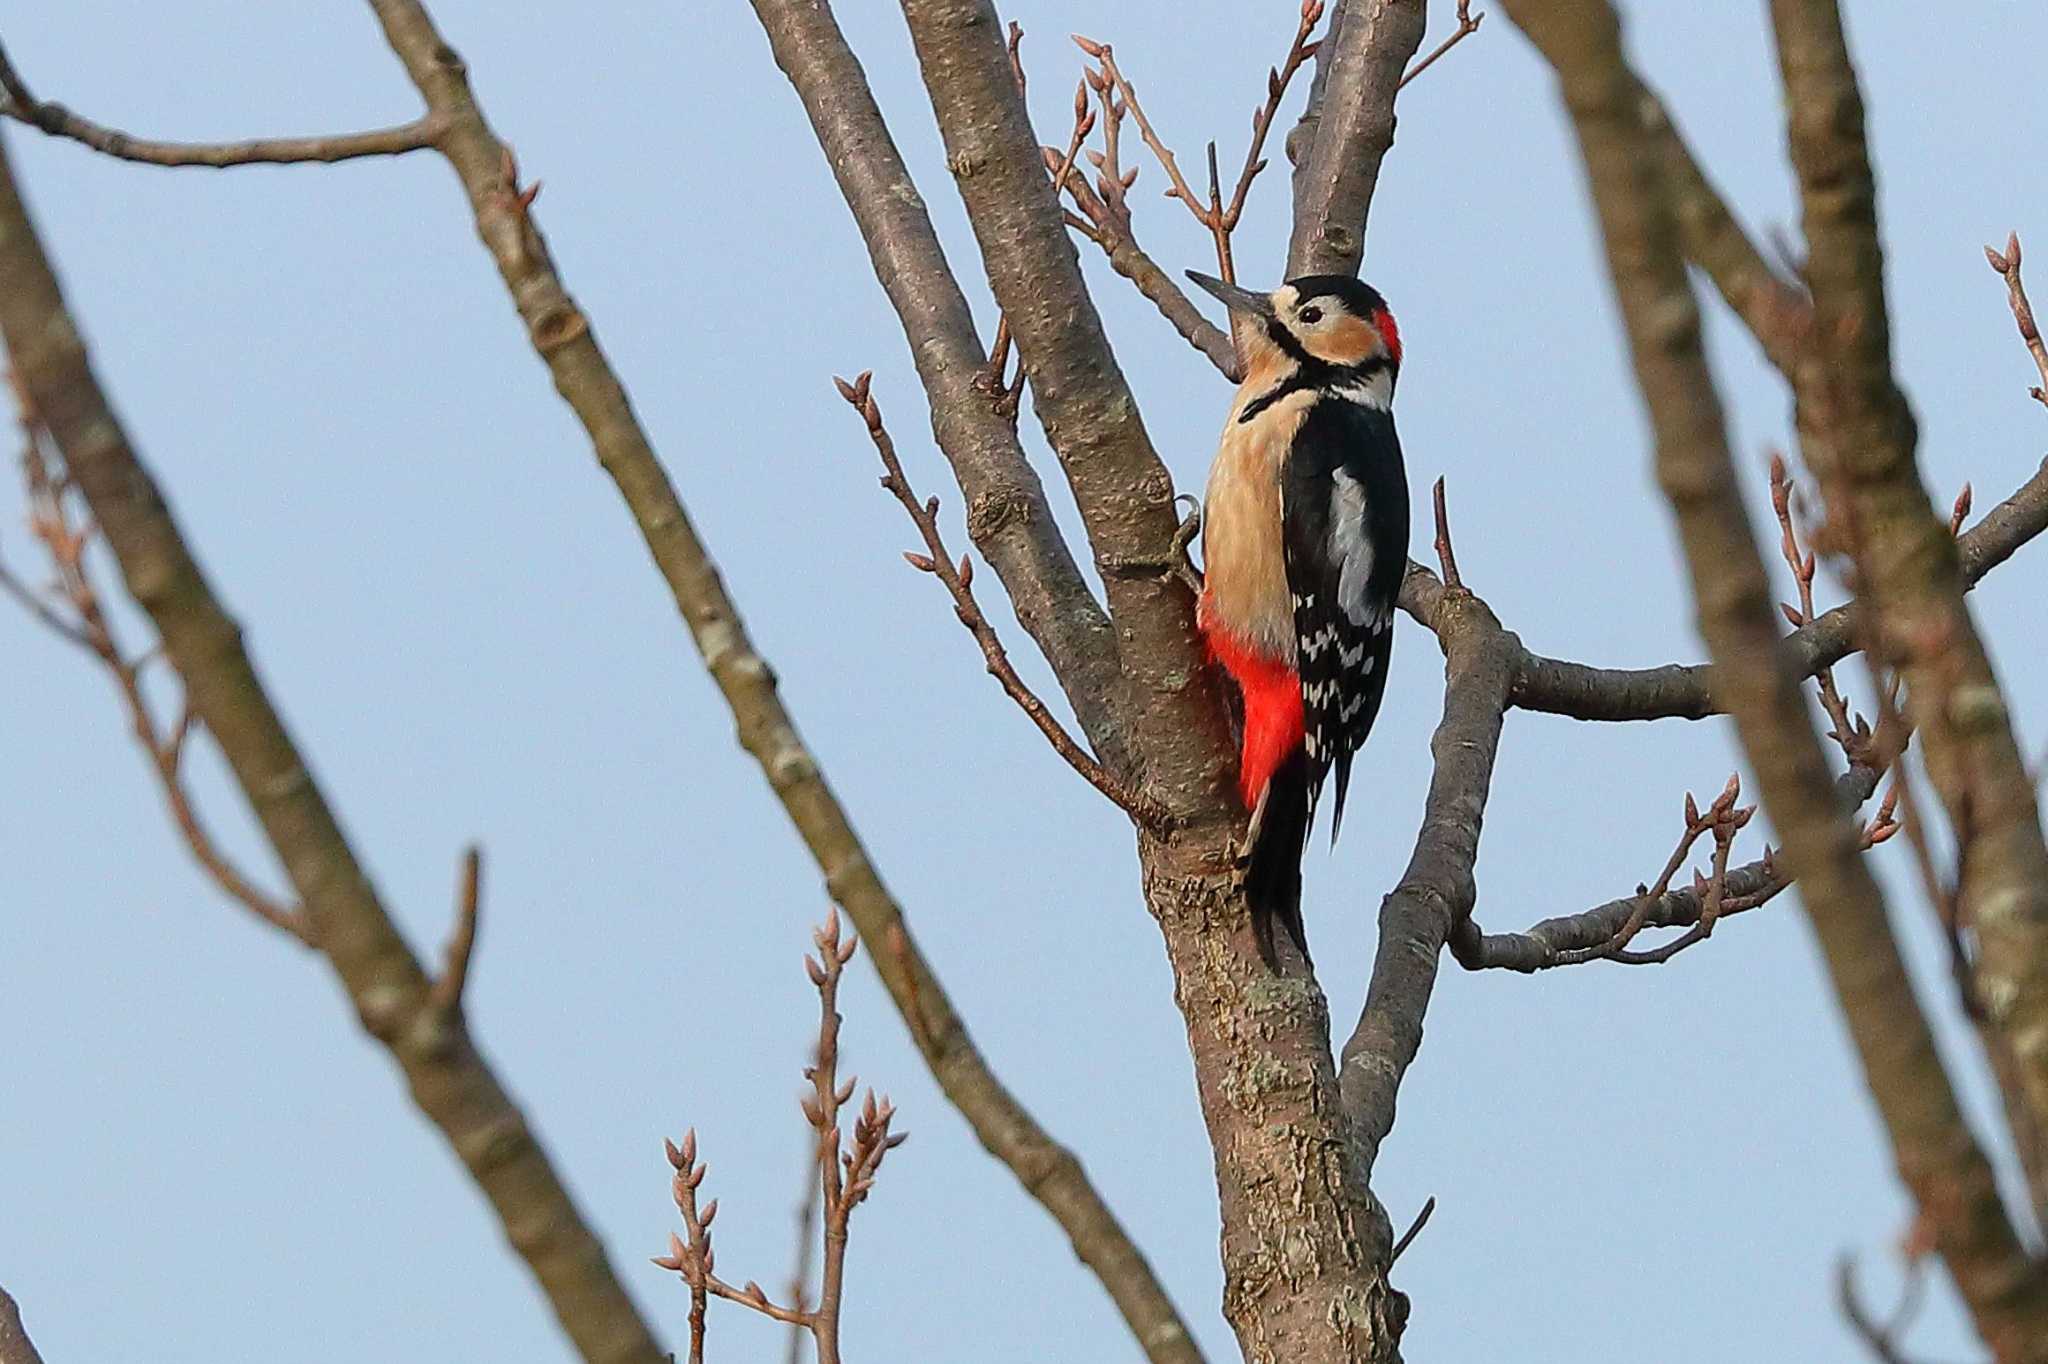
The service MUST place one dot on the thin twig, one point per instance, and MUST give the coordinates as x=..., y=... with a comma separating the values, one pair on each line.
x=843, y=1180
x=1849, y=732
x=995, y=380
x=800, y=1272
x=89, y=626
x=454, y=977
x=58, y=121
x=1722, y=815
x=959, y=582
x=1414, y=1230
x=1212, y=211
x=1446, y=557
x=1881, y=1337
x=1468, y=24
x=2008, y=265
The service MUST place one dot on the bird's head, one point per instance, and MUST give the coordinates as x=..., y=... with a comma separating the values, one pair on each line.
x=1329, y=330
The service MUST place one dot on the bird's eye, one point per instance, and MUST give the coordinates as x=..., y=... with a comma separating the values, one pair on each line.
x=1311, y=315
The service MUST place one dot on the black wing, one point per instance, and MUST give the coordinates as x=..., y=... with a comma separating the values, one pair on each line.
x=1345, y=508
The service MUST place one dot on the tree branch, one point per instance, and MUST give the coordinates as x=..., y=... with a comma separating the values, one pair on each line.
x=58, y=121
x=1468, y=24
x=15, y=1346
x=1127, y=258
x=448, y=1078
x=1688, y=691
x=1574, y=937
x=563, y=338
x=1437, y=891
x=90, y=627
x=1008, y=516
x=2007, y=264
x=1937, y=1155
x=959, y=584
x=1084, y=404
x=1860, y=437
x=454, y=977
x=839, y=1190
x=1345, y=132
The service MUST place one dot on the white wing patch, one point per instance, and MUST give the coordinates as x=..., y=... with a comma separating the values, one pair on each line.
x=1375, y=391
x=1350, y=547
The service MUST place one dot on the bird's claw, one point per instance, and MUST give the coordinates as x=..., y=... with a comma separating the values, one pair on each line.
x=1183, y=564
x=1176, y=564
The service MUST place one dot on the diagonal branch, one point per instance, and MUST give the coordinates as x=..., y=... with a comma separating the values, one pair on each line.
x=1082, y=400
x=90, y=627
x=1937, y=1154
x=58, y=121
x=1112, y=232
x=959, y=584
x=1008, y=516
x=1860, y=438
x=563, y=337
x=447, y=1076
x=1468, y=24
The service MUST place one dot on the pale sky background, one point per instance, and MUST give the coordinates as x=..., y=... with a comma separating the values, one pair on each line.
x=202, y=1159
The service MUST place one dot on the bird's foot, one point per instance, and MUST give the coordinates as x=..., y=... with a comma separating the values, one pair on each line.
x=1177, y=564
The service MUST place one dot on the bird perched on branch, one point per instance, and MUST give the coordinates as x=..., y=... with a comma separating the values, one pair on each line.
x=1304, y=544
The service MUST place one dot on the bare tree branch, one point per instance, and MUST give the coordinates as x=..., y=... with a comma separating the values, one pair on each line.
x=90, y=627
x=959, y=584
x=446, y=1075
x=1688, y=691
x=1008, y=516
x=454, y=977
x=1937, y=1155
x=562, y=336
x=1860, y=438
x=58, y=121
x=1345, y=132
x=2007, y=264
x=1118, y=97
x=1577, y=937
x=15, y=1346
x=1437, y=890
x=1468, y=24
x=1113, y=234
x=840, y=1191
x=1123, y=491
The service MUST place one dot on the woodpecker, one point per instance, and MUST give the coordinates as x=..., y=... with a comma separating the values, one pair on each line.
x=1304, y=544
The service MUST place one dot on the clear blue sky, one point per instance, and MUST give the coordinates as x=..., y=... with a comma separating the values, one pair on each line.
x=201, y=1158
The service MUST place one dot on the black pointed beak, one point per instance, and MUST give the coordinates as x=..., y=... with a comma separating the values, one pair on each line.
x=1236, y=299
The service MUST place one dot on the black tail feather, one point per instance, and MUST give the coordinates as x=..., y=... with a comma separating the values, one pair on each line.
x=1273, y=879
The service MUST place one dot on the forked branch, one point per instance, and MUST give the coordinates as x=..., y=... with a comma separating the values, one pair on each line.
x=844, y=1178
x=959, y=584
x=77, y=616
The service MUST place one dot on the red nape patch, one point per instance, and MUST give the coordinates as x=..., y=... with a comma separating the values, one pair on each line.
x=1273, y=723
x=1389, y=333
